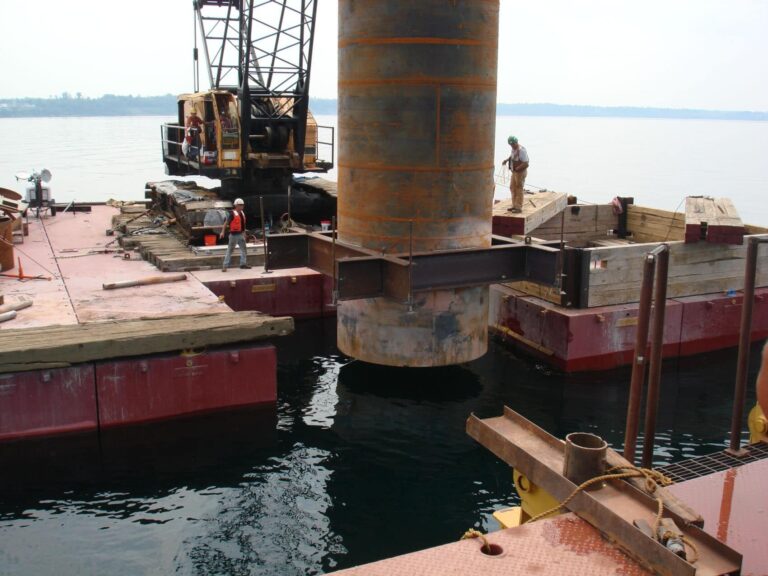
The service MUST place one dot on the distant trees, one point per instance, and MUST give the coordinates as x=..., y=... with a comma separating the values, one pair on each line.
x=108, y=105
x=112, y=105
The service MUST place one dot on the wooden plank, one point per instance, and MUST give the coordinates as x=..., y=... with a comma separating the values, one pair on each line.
x=29, y=349
x=578, y=224
x=610, y=242
x=548, y=293
x=712, y=219
x=541, y=207
x=752, y=230
x=537, y=209
x=653, y=225
x=615, y=273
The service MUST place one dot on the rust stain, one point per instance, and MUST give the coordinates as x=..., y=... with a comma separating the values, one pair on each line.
x=356, y=214
x=437, y=125
x=389, y=168
x=724, y=520
x=476, y=83
x=415, y=40
x=428, y=240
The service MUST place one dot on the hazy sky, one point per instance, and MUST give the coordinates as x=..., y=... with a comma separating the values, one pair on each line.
x=667, y=53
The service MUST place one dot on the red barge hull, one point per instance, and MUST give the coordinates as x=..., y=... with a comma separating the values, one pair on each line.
x=100, y=395
x=577, y=340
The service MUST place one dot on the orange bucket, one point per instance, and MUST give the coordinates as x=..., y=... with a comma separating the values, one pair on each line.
x=210, y=239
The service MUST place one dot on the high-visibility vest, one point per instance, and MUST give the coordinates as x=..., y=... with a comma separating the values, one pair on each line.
x=237, y=223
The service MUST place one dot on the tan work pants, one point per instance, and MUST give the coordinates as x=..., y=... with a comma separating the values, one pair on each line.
x=516, y=187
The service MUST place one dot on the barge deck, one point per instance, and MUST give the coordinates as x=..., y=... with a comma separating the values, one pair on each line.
x=82, y=358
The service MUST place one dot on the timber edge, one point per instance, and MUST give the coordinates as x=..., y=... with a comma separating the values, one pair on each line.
x=66, y=345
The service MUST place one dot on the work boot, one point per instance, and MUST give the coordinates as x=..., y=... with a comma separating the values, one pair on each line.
x=245, y=266
x=515, y=210
x=223, y=268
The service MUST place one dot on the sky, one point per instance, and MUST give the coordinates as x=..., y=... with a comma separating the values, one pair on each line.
x=705, y=54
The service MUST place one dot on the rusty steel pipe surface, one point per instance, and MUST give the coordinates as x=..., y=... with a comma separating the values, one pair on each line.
x=417, y=100
x=657, y=346
x=585, y=455
x=640, y=361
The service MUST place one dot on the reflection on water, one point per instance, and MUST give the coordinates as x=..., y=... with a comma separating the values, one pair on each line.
x=355, y=463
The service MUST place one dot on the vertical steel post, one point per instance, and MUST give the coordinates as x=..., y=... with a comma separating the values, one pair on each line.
x=639, y=360
x=742, y=365
x=264, y=234
x=335, y=294
x=561, y=255
x=657, y=346
x=410, y=266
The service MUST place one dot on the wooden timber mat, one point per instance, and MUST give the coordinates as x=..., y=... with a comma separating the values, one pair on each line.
x=62, y=346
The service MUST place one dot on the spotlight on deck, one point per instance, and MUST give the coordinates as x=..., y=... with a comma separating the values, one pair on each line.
x=38, y=196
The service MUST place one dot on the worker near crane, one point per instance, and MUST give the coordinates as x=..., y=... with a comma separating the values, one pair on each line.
x=518, y=163
x=192, y=128
x=235, y=225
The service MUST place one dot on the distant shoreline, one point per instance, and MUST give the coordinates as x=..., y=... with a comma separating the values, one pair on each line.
x=112, y=105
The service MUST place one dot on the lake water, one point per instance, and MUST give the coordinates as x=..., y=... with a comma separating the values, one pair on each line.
x=355, y=462
x=657, y=161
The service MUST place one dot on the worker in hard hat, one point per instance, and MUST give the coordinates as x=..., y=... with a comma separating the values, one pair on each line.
x=518, y=163
x=192, y=127
x=193, y=120
x=235, y=225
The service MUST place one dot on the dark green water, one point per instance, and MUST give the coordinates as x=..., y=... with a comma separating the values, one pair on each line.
x=354, y=464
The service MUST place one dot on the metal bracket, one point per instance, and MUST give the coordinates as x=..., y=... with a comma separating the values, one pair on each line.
x=540, y=456
x=363, y=273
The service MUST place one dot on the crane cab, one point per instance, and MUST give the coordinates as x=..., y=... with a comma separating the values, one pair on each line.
x=206, y=138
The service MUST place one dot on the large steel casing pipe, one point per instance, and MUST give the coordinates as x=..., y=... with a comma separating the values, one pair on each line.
x=417, y=112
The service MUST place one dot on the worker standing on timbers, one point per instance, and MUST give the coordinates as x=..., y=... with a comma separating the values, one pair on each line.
x=518, y=163
x=235, y=224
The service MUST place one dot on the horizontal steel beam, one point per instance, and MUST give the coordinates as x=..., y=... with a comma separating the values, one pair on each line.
x=363, y=273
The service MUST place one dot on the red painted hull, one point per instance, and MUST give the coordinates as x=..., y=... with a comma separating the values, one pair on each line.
x=121, y=392
x=281, y=293
x=45, y=402
x=604, y=338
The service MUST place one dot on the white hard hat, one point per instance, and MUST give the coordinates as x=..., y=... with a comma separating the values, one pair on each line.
x=239, y=201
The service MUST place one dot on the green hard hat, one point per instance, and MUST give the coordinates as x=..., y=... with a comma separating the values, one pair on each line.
x=512, y=140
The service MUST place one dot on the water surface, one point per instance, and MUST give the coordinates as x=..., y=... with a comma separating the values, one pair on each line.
x=354, y=463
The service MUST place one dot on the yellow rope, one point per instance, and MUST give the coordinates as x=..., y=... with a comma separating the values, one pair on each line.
x=693, y=548
x=653, y=480
x=472, y=533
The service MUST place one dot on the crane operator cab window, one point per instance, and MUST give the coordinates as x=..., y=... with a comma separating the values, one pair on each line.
x=226, y=108
x=227, y=116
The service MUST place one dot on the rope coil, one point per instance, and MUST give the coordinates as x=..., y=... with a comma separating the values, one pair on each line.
x=653, y=480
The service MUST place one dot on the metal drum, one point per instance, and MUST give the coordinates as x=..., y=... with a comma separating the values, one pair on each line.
x=417, y=113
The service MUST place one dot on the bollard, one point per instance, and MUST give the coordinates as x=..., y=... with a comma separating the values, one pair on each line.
x=584, y=458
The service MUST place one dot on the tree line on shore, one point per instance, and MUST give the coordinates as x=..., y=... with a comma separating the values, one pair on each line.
x=113, y=105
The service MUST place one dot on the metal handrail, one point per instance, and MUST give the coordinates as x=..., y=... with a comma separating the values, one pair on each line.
x=656, y=259
x=331, y=144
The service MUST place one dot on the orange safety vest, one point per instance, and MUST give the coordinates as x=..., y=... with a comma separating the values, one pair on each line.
x=238, y=222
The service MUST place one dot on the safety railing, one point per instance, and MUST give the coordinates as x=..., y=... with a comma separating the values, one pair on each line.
x=657, y=264
x=326, y=146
